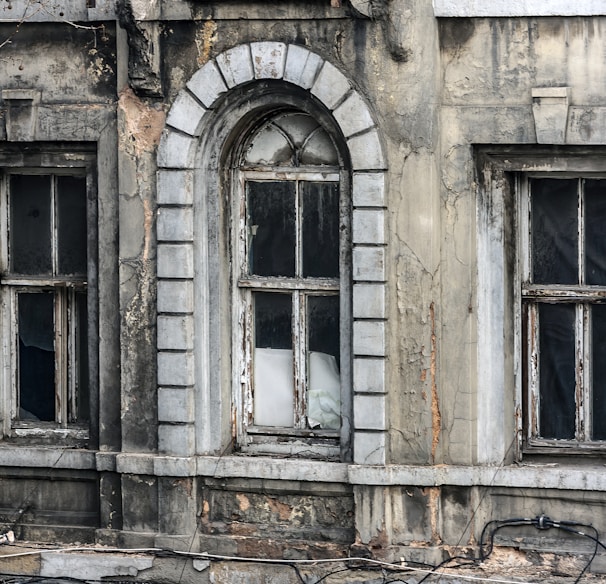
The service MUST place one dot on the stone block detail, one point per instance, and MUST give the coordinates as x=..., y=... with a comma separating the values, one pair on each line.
x=175, y=332
x=369, y=338
x=368, y=264
x=369, y=301
x=175, y=369
x=186, y=114
x=175, y=260
x=176, y=150
x=175, y=296
x=268, y=59
x=369, y=447
x=368, y=189
x=236, y=65
x=369, y=375
x=175, y=224
x=353, y=115
x=176, y=440
x=369, y=412
x=331, y=86
x=550, y=111
x=175, y=187
x=207, y=84
x=176, y=404
x=176, y=232
x=302, y=66
x=366, y=151
x=368, y=226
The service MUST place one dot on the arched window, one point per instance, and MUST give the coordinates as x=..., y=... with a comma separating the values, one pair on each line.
x=289, y=276
x=262, y=124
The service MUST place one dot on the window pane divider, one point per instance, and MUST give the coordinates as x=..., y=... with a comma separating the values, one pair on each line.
x=570, y=292
x=319, y=175
x=43, y=282
x=277, y=283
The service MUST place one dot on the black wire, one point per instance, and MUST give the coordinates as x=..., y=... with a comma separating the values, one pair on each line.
x=542, y=522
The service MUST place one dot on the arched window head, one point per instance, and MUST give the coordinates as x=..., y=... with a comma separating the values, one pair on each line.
x=289, y=269
x=291, y=139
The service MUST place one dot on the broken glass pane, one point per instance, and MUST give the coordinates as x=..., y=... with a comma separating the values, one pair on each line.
x=323, y=386
x=320, y=229
x=554, y=231
x=271, y=226
x=30, y=224
x=71, y=228
x=595, y=232
x=273, y=360
x=36, y=356
x=598, y=352
x=557, y=370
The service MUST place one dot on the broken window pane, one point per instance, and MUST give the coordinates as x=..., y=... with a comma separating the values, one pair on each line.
x=36, y=356
x=554, y=231
x=324, y=388
x=557, y=370
x=320, y=202
x=271, y=225
x=595, y=232
x=30, y=224
x=273, y=360
x=71, y=225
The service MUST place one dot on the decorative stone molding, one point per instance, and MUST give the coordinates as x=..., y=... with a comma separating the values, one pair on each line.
x=550, y=110
x=177, y=238
x=21, y=113
x=483, y=8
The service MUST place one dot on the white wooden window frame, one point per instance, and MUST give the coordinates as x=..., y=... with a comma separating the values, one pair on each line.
x=582, y=296
x=64, y=289
x=278, y=440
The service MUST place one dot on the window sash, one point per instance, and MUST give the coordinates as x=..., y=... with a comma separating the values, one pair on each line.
x=71, y=378
x=300, y=288
x=579, y=295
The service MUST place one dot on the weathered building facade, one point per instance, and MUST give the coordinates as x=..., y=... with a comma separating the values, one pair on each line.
x=302, y=280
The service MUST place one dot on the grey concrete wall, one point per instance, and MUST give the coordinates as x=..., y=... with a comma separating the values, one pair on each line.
x=436, y=88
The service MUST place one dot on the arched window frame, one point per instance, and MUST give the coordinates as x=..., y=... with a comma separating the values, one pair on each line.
x=194, y=411
x=285, y=438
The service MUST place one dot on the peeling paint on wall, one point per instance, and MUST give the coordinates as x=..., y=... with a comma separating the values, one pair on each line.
x=205, y=39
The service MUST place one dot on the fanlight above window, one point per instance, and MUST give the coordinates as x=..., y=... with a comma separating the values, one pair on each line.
x=291, y=139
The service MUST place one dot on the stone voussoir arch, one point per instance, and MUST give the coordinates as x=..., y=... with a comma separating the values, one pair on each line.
x=177, y=154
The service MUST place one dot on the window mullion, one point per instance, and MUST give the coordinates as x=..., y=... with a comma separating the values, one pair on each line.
x=581, y=346
x=61, y=357
x=533, y=369
x=299, y=333
x=54, y=227
x=581, y=234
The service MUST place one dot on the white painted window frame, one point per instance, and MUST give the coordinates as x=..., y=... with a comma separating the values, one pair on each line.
x=284, y=440
x=582, y=297
x=499, y=400
x=194, y=416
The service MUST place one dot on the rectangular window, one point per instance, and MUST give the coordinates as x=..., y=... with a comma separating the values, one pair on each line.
x=289, y=284
x=44, y=291
x=563, y=224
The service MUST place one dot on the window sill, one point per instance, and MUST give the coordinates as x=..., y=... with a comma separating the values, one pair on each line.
x=46, y=457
